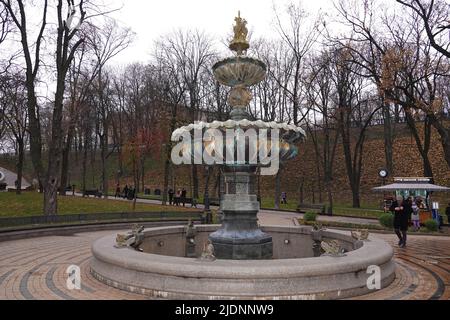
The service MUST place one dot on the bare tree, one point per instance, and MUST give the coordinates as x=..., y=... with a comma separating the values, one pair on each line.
x=435, y=15
x=355, y=110
x=67, y=43
x=13, y=105
x=322, y=128
x=5, y=22
x=101, y=45
x=192, y=53
x=409, y=90
x=173, y=91
x=16, y=10
x=299, y=36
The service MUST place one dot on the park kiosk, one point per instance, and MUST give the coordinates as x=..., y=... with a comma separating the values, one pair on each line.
x=416, y=187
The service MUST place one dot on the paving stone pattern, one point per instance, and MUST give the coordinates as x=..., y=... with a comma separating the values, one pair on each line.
x=35, y=268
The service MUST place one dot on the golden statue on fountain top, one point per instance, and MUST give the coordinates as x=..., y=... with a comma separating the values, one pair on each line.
x=239, y=42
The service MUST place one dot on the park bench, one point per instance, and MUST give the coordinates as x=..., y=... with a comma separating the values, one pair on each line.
x=308, y=207
x=93, y=192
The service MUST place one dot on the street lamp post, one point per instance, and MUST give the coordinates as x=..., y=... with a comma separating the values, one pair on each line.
x=383, y=173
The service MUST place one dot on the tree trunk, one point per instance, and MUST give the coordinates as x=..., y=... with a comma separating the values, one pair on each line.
x=319, y=180
x=424, y=147
x=195, y=181
x=355, y=195
x=302, y=195
x=34, y=128
x=20, y=166
x=330, y=197
x=84, y=164
x=444, y=134
x=65, y=164
x=388, y=139
x=103, y=152
x=277, y=189
x=166, y=177
x=143, y=173
x=206, y=190
x=167, y=166
x=66, y=150
x=54, y=155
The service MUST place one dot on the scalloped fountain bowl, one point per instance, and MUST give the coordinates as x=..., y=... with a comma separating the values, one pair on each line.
x=295, y=272
x=239, y=71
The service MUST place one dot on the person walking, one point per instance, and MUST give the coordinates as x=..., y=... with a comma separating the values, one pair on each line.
x=415, y=216
x=183, y=197
x=400, y=219
x=125, y=191
x=177, y=197
x=171, y=193
x=284, y=197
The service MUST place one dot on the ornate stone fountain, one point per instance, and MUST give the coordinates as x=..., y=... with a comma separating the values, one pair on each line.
x=240, y=237
x=239, y=259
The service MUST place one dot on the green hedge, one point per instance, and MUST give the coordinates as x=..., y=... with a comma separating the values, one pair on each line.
x=387, y=220
x=310, y=216
x=431, y=225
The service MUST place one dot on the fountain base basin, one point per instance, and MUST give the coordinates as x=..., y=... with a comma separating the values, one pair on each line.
x=294, y=273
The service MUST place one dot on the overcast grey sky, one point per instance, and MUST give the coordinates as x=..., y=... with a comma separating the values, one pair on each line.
x=150, y=19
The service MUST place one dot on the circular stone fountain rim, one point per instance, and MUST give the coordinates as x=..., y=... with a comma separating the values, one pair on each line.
x=373, y=252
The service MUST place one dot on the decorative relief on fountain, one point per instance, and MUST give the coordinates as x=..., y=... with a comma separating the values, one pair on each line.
x=239, y=96
x=239, y=42
x=332, y=248
x=208, y=252
x=132, y=239
x=190, y=233
x=360, y=234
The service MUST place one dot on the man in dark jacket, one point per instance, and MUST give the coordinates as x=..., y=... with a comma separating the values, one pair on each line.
x=183, y=197
x=402, y=210
x=171, y=193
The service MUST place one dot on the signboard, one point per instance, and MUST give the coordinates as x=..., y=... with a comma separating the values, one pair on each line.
x=412, y=179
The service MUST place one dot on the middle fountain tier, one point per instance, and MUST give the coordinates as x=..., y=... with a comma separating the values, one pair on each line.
x=239, y=236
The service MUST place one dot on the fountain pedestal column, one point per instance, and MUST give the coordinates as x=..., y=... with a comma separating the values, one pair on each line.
x=240, y=237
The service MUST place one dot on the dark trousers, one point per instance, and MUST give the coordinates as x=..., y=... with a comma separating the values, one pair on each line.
x=401, y=234
x=170, y=199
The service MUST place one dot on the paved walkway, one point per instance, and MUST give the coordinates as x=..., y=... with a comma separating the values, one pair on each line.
x=36, y=268
x=11, y=177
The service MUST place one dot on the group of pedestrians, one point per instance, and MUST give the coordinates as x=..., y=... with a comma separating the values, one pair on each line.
x=127, y=192
x=177, y=198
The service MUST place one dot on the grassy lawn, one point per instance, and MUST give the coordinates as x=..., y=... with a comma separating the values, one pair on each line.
x=30, y=203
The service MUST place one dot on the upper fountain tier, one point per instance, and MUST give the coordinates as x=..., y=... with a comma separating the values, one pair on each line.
x=239, y=72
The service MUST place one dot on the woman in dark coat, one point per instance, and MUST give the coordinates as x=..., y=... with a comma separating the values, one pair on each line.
x=402, y=211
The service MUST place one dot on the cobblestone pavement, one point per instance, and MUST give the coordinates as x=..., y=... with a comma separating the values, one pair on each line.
x=35, y=268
